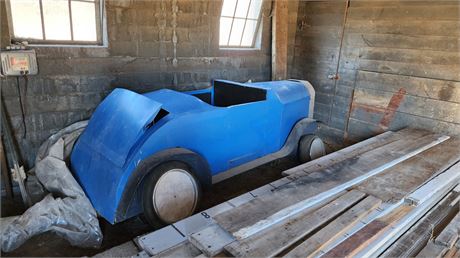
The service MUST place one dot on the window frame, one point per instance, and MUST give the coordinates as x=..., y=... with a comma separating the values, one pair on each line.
x=256, y=32
x=101, y=32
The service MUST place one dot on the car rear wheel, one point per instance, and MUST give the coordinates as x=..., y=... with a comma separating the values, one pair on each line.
x=171, y=192
x=310, y=147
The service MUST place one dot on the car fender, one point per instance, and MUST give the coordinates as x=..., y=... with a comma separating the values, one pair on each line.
x=198, y=165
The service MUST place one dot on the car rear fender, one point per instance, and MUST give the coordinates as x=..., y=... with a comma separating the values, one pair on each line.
x=129, y=204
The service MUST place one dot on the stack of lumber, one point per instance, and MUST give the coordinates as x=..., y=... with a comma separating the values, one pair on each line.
x=392, y=195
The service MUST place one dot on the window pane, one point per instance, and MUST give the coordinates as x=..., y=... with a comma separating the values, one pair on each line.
x=254, y=10
x=242, y=8
x=84, y=21
x=249, y=32
x=57, y=21
x=237, y=31
x=224, y=33
x=26, y=19
x=228, y=8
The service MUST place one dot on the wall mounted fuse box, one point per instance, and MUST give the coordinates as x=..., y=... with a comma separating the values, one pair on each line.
x=19, y=62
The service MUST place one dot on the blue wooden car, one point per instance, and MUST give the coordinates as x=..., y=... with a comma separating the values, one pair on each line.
x=153, y=153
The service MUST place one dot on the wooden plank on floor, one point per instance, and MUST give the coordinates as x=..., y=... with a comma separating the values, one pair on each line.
x=433, y=250
x=395, y=183
x=185, y=249
x=342, y=174
x=450, y=234
x=270, y=242
x=413, y=240
x=358, y=241
x=329, y=233
x=453, y=252
x=354, y=150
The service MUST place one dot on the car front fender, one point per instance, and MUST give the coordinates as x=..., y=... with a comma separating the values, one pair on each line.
x=129, y=204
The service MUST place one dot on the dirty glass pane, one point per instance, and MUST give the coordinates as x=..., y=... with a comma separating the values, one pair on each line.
x=225, y=26
x=228, y=8
x=237, y=31
x=26, y=19
x=254, y=10
x=249, y=32
x=242, y=8
x=57, y=20
x=84, y=21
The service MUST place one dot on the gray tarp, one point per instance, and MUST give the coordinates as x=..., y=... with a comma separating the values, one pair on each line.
x=65, y=210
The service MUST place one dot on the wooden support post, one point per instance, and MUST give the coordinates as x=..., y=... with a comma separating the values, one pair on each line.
x=280, y=34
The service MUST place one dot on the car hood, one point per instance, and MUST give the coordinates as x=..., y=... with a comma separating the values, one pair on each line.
x=117, y=124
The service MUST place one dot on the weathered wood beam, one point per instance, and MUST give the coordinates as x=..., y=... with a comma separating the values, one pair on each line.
x=280, y=36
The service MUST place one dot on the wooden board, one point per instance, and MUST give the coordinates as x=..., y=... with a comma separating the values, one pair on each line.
x=329, y=233
x=185, y=249
x=366, y=235
x=269, y=243
x=450, y=233
x=420, y=87
x=354, y=150
x=395, y=183
x=412, y=241
x=317, y=182
x=433, y=251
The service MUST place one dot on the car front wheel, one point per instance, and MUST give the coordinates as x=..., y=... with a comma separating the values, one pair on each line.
x=310, y=147
x=171, y=193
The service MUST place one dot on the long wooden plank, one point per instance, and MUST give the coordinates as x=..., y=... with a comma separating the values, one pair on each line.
x=408, y=27
x=380, y=101
x=424, y=198
x=408, y=42
x=371, y=170
x=272, y=241
x=416, y=86
x=319, y=182
x=395, y=183
x=413, y=240
x=329, y=233
x=363, y=124
x=434, y=71
x=354, y=150
x=355, y=243
x=433, y=250
x=392, y=12
x=450, y=234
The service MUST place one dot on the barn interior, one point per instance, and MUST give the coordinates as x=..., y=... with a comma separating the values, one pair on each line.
x=389, y=67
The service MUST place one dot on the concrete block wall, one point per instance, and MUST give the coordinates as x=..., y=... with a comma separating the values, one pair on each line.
x=140, y=56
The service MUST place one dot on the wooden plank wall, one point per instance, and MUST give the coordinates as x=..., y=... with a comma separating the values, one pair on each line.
x=399, y=65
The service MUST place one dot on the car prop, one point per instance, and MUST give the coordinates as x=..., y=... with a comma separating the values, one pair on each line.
x=153, y=153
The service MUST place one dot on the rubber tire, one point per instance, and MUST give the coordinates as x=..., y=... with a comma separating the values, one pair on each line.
x=303, y=153
x=149, y=185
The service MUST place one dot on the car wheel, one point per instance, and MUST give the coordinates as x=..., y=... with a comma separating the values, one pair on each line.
x=310, y=148
x=171, y=192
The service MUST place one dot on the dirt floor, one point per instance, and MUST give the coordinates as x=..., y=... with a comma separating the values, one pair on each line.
x=49, y=244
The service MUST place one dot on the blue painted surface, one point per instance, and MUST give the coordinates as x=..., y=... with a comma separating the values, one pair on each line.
x=117, y=138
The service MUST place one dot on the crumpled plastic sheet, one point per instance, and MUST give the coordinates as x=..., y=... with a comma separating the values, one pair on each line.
x=65, y=210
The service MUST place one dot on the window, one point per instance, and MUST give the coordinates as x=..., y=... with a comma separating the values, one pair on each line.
x=56, y=21
x=239, y=21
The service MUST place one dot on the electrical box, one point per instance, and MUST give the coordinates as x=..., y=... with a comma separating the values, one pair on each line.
x=19, y=62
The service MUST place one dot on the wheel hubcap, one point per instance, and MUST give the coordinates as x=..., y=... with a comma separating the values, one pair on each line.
x=175, y=195
x=317, y=148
